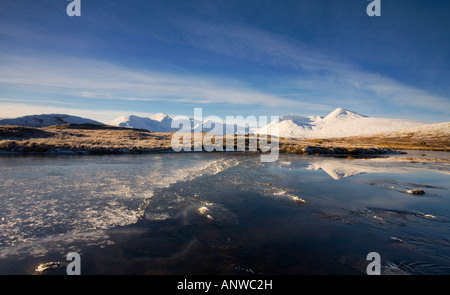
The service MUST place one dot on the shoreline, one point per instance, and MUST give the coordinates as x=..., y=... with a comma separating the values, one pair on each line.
x=360, y=154
x=91, y=139
x=106, y=151
x=396, y=156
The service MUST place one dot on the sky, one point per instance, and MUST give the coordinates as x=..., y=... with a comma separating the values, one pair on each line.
x=228, y=57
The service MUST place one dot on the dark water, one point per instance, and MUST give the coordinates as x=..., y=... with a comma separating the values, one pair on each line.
x=223, y=214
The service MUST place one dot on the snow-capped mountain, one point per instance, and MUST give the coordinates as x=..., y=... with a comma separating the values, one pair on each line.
x=156, y=123
x=46, y=120
x=162, y=123
x=218, y=127
x=437, y=130
x=339, y=123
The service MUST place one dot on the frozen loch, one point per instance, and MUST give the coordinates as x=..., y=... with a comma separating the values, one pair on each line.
x=223, y=213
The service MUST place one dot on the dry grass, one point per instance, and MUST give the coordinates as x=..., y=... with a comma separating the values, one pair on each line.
x=429, y=138
x=408, y=141
x=99, y=139
x=86, y=138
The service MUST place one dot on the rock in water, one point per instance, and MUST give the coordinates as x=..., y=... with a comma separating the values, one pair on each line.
x=397, y=240
x=298, y=200
x=203, y=210
x=415, y=192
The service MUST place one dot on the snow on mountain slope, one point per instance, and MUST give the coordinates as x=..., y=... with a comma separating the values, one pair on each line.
x=429, y=130
x=363, y=126
x=343, y=114
x=162, y=123
x=160, y=117
x=156, y=123
x=165, y=121
x=339, y=123
x=219, y=127
x=46, y=120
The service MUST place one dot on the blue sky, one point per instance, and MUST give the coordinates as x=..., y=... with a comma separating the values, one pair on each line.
x=247, y=57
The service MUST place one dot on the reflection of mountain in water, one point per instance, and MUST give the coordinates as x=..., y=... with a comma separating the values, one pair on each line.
x=339, y=168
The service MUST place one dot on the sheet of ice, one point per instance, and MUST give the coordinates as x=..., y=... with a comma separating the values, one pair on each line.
x=41, y=196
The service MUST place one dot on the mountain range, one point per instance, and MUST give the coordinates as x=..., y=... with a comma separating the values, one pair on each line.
x=157, y=123
x=339, y=123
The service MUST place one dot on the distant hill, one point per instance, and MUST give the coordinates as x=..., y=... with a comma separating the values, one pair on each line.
x=46, y=120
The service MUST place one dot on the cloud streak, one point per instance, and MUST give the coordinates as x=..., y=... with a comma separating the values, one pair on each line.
x=321, y=74
x=102, y=80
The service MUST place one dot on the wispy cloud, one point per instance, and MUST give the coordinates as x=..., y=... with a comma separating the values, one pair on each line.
x=101, y=80
x=322, y=75
x=362, y=89
x=252, y=44
x=44, y=101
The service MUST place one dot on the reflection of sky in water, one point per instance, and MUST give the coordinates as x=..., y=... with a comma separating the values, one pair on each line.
x=228, y=209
